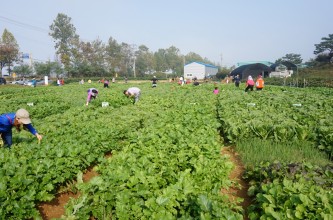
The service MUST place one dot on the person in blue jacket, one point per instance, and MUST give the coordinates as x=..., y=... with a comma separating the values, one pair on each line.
x=19, y=119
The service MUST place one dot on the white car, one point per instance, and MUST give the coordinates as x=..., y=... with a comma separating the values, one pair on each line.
x=19, y=82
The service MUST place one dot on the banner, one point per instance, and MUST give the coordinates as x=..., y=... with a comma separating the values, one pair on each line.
x=25, y=56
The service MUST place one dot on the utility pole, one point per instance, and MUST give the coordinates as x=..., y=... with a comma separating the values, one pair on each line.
x=134, y=67
x=221, y=59
x=134, y=58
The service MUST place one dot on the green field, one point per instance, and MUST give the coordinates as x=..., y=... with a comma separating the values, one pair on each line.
x=166, y=161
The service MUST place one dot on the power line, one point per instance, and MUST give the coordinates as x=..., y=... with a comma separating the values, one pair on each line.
x=24, y=25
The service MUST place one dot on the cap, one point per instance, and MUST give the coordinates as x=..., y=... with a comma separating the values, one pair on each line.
x=23, y=115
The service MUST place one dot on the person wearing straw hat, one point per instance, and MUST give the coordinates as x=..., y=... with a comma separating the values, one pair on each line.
x=18, y=120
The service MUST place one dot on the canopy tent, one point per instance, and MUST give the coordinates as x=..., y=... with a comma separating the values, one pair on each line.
x=254, y=70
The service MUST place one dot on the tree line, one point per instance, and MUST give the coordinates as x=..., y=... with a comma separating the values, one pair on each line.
x=78, y=58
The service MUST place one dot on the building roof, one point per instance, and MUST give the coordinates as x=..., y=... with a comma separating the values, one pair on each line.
x=205, y=64
x=267, y=63
x=251, y=69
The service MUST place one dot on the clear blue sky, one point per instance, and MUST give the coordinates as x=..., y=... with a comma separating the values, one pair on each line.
x=227, y=31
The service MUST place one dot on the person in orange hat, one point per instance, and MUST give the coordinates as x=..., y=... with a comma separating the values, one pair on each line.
x=19, y=119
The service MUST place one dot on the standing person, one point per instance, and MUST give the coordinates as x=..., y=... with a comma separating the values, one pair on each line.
x=133, y=92
x=92, y=93
x=58, y=82
x=33, y=82
x=249, y=83
x=106, y=83
x=181, y=81
x=113, y=80
x=216, y=91
x=18, y=119
x=260, y=83
x=237, y=80
x=154, y=82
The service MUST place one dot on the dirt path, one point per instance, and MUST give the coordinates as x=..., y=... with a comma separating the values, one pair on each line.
x=236, y=175
x=55, y=208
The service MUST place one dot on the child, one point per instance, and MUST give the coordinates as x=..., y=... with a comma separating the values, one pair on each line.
x=216, y=91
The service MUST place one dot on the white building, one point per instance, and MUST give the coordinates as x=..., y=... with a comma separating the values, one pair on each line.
x=280, y=70
x=199, y=70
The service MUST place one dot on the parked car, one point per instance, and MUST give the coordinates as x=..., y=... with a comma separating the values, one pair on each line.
x=19, y=82
x=38, y=82
x=2, y=81
x=42, y=82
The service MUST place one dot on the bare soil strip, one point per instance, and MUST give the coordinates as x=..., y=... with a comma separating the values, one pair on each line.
x=55, y=208
x=236, y=175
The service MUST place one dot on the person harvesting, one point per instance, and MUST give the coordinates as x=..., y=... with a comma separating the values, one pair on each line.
x=133, y=92
x=18, y=120
x=92, y=94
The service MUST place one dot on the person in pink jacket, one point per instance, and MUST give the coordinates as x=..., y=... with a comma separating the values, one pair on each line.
x=216, y=90
x=92, y=93
x=249, y=83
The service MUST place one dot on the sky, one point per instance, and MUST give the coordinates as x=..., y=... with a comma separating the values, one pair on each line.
x=224, y=31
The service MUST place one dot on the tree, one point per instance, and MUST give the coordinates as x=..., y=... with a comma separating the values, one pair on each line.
x=144, y=61
x=193, y=57
x=9, y=50
x=127, y=59
x=160, y=61
x=23, y=70
x=174, y=60
x=64, y=35
x=113, y=55
x=292, y=58
x=47, y=68
x=325, y=46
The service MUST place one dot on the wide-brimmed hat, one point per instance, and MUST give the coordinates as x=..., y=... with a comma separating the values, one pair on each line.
x=23, y=115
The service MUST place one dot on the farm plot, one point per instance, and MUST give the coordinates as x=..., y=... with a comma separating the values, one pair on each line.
x=293, y=189
x=166, y=155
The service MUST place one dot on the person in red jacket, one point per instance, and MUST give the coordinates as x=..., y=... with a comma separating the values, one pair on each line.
x=259, y=83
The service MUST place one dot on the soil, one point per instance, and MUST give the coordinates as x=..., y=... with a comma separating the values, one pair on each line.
x=240, y=187
x=55, y=208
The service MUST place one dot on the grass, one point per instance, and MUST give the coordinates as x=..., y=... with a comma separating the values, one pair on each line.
x=252, y=152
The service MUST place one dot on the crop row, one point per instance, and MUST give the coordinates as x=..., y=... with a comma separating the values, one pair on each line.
x=172, y=169
x=283, y=190
x=278, y=115
x=176, y=148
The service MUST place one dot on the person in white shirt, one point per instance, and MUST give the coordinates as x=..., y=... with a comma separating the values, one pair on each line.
x=133, y=92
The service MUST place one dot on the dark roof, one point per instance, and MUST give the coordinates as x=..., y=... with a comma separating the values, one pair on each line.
x=251, y=69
